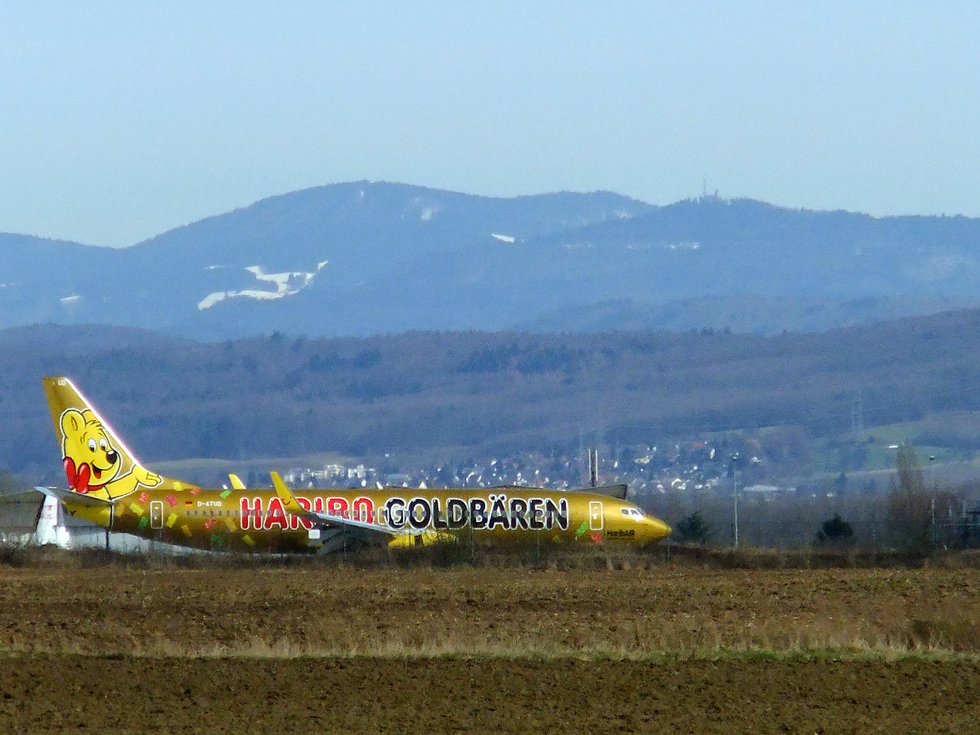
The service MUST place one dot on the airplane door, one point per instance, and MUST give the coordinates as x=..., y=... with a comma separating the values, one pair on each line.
x=156, y=514
x=595, y=515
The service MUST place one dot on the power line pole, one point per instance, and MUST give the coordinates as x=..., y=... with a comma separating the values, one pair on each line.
x=734, y=459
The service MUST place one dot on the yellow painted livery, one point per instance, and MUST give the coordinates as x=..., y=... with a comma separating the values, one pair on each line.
x=109, y=487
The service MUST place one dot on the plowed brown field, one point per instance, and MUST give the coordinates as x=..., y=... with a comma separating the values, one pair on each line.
x=658, y=648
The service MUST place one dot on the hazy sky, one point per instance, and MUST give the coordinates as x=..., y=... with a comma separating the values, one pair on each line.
x=120, y=120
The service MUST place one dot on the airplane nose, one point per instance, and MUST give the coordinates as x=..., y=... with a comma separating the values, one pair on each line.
x=659, y=529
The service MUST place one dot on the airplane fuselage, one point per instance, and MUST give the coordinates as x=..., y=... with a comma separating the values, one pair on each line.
x=255, y=520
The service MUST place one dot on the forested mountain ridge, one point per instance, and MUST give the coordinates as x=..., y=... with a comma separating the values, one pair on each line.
x=476, y=392
x=369, y=258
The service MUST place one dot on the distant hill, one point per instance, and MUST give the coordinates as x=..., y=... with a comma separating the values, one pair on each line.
x=480, y=393
x=371, y=258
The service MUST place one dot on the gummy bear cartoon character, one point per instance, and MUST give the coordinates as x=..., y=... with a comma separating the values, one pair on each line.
x=92, y=463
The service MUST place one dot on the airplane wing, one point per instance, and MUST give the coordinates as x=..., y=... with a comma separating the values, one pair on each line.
x=359, y=529
x=236, y=482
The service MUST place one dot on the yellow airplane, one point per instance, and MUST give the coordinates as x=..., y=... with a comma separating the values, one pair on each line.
x=109, y=487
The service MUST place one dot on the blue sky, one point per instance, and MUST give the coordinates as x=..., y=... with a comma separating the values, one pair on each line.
x=120, y=120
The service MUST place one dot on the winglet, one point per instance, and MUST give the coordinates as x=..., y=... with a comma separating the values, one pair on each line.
x=285, y=495
x=236, y=482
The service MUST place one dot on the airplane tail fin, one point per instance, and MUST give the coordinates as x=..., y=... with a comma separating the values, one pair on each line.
x=96, y=460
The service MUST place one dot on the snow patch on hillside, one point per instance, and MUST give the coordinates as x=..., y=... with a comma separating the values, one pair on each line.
x=288, y=283
x=423, y=209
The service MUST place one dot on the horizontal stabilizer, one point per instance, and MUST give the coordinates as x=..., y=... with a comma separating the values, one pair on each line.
x=85, y=501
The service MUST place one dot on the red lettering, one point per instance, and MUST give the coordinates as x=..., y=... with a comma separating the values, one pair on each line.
x=317, y=504
x=337, y=506
x=248, y=513
x=293, y=518
x=363, y=508
x=276, y=515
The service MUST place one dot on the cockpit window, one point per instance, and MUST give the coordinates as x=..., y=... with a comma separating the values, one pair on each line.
x=632, y=513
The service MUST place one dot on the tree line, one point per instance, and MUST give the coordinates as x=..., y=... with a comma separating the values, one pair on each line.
x=476, y=392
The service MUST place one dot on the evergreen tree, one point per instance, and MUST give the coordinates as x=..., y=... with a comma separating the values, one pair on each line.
x=693, y=529
x=835, y=532
x=908, y=505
